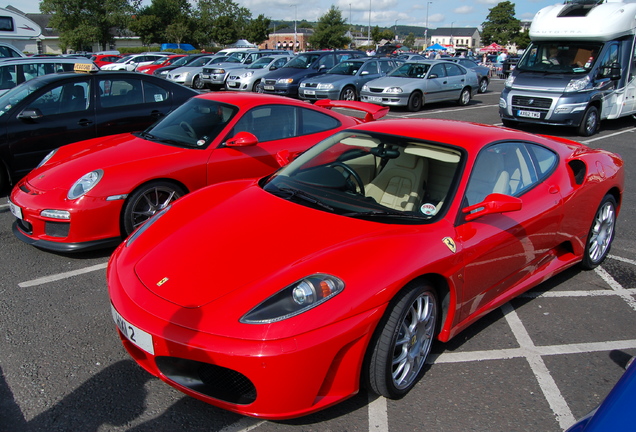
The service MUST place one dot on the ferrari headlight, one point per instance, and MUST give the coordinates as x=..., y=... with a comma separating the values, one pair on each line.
x=392, y=90
x=47, y=158
x=295, y=299
x=84, y=184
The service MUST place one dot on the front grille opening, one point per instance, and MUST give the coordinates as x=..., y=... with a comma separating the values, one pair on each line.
x=25, y=226
x=57, y=229
x=211, y=380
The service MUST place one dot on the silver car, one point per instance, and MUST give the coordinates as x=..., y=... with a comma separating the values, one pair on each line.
x=414, y=84
x=190, y=75
x=481, y=71
x=248, y=78
x=344, y=80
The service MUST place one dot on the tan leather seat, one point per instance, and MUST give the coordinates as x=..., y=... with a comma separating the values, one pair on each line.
x=400, y=185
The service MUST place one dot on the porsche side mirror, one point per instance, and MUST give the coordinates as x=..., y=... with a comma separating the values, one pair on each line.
x=284, y=157
x=493, y=203
x=30, y=114
x=242, y=139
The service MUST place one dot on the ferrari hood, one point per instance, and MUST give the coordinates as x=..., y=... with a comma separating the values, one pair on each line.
x=75, y=160
x=245, y=239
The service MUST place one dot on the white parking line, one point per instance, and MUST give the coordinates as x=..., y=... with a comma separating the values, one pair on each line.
x=378, y=417
x=607, y=136
x=60, y=276
x=402, y=115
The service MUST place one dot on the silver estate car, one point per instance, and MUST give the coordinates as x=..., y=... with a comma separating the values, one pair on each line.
x=248, y=78
x=190, y=75
x=414, y=84
x=344, y=80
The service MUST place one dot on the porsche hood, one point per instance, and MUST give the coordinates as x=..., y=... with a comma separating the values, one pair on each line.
x=243, y=240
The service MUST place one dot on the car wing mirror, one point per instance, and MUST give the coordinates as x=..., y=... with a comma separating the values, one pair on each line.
x=492, y=204
x=272, y=68
x=284, y=157
x=431, y=76
x=30, y=114
x=242, y=139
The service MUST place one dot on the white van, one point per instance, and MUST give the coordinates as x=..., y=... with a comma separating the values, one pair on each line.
x=18, y=70
x=579, y=69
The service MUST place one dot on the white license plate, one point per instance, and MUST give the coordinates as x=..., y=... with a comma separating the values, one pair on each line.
x=15, y=210
x=531, y=114
x=269, y=87
x=232, y=84
x=205, y=76
x=134, y=334
x=310, y=92
x=374, y=98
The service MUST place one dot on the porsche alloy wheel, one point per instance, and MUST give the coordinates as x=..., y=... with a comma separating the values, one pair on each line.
x=601, y=235
x=142, y=204
x=402, y=342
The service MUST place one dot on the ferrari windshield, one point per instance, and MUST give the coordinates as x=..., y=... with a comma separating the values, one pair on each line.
x=194, y=124
x=560, y=57
x=384, y=178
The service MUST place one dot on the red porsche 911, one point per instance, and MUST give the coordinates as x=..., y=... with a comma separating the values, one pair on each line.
x=281, y=296
x=93, y=193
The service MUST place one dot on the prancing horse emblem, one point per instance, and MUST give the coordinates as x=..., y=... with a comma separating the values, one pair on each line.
x=450, y=243
x=162, y=281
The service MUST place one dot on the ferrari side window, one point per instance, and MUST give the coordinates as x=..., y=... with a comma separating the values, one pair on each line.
x=545, y=160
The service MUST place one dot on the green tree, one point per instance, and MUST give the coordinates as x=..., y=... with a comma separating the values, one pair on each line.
x=152, y=23
x=330, y=31
x=82, y=23
x=523, y=40
x=501, y=26
x=409, y=41
x=221, y=21
x=377, y=35
x=256, y=30
x=147, y=27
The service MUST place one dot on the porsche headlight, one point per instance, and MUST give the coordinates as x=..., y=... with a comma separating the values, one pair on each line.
x=47, y=158
x=84, y=184
x=295, y=299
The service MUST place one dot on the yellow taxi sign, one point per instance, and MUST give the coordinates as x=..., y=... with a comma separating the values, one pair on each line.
x=84, y=67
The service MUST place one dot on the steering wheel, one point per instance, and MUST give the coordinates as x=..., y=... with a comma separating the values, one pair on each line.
x=350, y=173
x=188, y=129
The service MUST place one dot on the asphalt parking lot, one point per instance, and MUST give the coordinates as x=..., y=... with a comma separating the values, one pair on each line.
x=536, y=364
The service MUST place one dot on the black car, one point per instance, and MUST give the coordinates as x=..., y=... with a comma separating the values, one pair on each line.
x=52, y=110
x=285, y=81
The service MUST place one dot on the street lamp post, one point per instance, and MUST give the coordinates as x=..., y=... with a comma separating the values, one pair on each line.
x=426, y=29
x=295, y=31
x=369, y=28
x=395, y=30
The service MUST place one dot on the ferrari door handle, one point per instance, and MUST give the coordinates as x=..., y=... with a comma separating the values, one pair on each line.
x=553, y=189
x=85, y=122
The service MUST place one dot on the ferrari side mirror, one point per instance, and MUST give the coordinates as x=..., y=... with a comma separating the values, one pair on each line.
x=493, y=203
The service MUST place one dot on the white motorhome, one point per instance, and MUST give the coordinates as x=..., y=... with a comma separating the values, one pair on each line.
x=16, y=29
x=579, y=69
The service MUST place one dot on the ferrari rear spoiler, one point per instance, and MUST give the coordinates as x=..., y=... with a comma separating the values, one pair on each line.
x=373, y=112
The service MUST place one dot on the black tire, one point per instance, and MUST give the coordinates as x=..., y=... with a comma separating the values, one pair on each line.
x=590, y=122
x=415, y=102
x=402, y=341
x=483, y=85
x=601, y=235
x=464, y=97
x=147, y=200
x=255, y=86
x=348, y=93
x=197, y=83
x=509, y=123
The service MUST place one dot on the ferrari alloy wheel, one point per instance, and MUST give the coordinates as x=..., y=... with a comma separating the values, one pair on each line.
x=464, y=97
x=599, y=239
x=348, y=93
x=415, y=101
x=590, y=123
x=150, y=198
x=402, y=342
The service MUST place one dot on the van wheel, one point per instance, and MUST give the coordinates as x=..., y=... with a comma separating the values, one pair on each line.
x=590, y=123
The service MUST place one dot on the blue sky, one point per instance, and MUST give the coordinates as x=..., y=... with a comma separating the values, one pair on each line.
x=384, y=13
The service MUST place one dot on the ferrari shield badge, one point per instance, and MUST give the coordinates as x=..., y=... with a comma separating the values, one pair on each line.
x=450, y=243
x=162, y=281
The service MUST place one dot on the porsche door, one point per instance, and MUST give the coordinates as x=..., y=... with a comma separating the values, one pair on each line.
x=502, y=249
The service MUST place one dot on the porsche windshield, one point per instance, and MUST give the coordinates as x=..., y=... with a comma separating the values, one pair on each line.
x=384, y=178
x=560, y=57
x=195, y=124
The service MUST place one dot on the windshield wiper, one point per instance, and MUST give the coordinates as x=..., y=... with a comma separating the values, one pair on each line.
x=395, y=213
x=297, y=193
